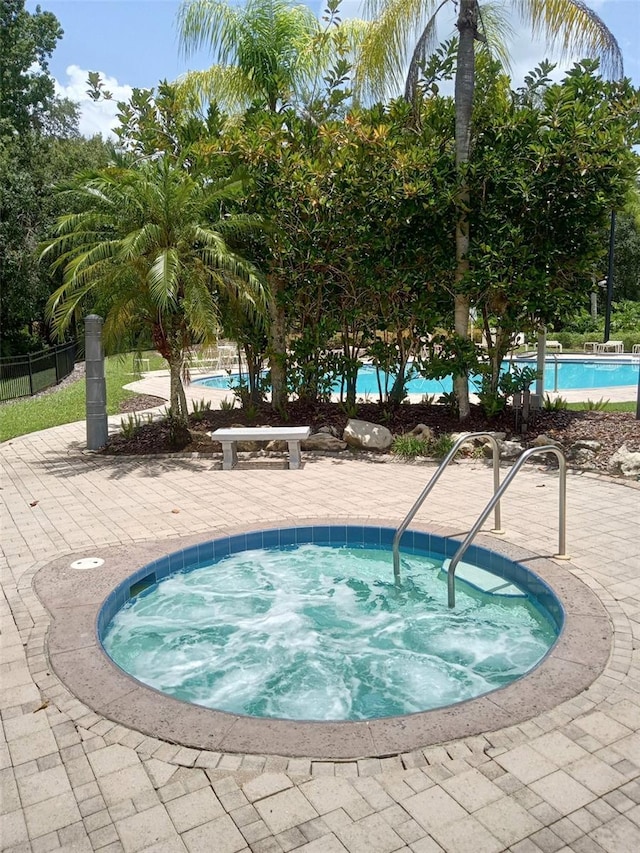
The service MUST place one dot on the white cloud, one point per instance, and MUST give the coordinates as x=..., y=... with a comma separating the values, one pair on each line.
x=95, y=116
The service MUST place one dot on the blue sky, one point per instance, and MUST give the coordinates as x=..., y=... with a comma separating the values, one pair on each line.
x=133, y=43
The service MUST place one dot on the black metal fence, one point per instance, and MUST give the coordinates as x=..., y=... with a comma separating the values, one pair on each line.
x=24, y=375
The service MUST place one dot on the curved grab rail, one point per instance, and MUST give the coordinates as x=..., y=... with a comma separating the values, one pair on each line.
x=421, y=498
x=562, y=515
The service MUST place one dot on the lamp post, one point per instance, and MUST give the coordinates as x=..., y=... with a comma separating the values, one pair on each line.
x=612, y=240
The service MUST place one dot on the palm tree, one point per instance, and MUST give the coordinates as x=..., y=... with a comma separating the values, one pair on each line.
x=567, y=24
x=148, y=246
x=264, y=51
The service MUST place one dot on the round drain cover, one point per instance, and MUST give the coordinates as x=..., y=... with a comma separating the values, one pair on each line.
x=87, y=563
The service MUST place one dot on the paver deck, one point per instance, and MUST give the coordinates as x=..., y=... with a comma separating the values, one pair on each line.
x=71, y=780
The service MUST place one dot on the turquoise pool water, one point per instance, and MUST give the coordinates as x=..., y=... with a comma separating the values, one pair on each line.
x=319, y=632
x=571, y=374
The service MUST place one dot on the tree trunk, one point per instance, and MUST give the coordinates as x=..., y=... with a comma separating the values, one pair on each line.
x=277, y=346
x=464, y=89
x=177, y=397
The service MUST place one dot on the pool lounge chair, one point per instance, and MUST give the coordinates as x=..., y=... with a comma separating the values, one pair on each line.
x=611, y=346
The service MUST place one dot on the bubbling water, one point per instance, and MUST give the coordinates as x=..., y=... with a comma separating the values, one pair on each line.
x=323, y=633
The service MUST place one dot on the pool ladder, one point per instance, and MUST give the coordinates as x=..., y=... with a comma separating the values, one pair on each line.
x=494, y=503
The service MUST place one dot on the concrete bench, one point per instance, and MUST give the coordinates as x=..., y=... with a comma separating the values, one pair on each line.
x=230, y=436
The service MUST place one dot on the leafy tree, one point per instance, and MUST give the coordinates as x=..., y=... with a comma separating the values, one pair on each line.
x=627, y=258
x=30, y=167
x=149, y=244
x=155, y=120
x=360, y=211
x=550, y=162
x=569, y=24
x=39, y=145
x=26, y=40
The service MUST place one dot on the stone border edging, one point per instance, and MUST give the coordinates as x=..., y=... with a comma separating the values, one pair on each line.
x=576, y=660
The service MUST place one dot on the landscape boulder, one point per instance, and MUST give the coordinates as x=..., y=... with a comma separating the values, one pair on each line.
x=587, y=444
x=625, y=462
x=582, y=456
x=543, y=440
x=478, y=442
x=323, y=441
x=330, y=429
x=423, y=432
x=366, y=435
x=584, y=452
x=509, y=450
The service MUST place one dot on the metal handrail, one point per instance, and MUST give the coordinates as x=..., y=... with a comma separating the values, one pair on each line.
x=421, y=498
x=562, y=514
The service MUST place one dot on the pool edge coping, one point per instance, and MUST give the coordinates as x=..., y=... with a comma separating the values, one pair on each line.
x=76, y=656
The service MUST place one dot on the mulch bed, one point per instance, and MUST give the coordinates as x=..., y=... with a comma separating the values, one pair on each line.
x=611, y=429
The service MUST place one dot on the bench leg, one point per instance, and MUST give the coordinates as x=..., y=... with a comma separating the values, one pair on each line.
x=229, y=455
x=294, y=454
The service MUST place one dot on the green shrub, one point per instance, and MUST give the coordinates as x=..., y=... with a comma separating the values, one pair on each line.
x=449, y=400
x=132, y=423
x=554, y=405
x=409, y=446
x=199, y=409
x=597, y=405
x=441, y=446
x=625, y=317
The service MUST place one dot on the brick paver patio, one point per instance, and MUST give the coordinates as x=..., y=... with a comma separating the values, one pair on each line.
x=71, y=780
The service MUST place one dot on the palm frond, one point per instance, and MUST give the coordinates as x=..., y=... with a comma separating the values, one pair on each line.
x=163, y=280
x=380, y=70
x=61, y=306
x=140, y=241
x=572, y=27
x=226, y=85
x=209, y=23
x=424, y=47
x=200, y=306
x=495, y=22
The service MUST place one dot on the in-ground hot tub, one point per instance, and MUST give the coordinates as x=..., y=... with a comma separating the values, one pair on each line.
x=308, y=624
x=81, y=613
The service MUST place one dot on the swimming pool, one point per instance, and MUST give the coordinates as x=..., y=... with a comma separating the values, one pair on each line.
x=563, y=373
x=308, y=624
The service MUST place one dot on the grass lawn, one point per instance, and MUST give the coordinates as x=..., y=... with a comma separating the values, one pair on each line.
x=605, y=407
x=68, y=404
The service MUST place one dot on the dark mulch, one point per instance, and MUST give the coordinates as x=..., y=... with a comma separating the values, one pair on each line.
x=611, y=429
x=139, y=402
